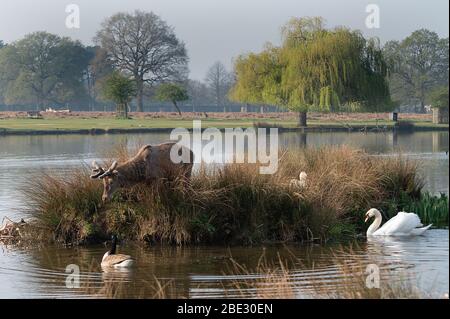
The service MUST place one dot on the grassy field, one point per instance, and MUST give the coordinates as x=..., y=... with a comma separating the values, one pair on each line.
x=86, y=122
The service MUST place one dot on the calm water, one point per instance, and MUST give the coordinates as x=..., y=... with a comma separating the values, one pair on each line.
x=201, y=271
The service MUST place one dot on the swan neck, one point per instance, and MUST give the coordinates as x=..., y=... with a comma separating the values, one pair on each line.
x=375, y=224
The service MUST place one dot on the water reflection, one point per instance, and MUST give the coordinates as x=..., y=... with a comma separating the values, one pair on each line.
x=387, y=142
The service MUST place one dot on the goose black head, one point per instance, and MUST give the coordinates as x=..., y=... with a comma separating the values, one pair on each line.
x=113, y=245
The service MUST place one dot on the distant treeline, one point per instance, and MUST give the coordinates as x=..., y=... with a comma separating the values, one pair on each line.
x=44, y=70
x=73, y=75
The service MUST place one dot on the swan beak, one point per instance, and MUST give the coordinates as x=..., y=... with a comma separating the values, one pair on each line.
x=367, y=218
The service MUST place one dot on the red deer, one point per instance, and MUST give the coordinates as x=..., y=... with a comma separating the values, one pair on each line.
x=152, y=162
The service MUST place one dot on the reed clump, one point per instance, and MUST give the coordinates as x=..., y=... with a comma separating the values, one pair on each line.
x=232, y=204
x=430, y=208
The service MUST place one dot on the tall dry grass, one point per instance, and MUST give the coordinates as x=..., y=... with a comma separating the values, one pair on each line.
x=232, y=204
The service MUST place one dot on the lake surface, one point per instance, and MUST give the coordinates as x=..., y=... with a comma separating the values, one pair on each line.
x=202, y=271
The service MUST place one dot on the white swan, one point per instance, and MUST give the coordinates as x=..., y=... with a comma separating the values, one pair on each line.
x=403, y=224
x=300, y=182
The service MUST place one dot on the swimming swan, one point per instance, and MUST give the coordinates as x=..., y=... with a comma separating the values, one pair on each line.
x=111, y=259
x=403, y=224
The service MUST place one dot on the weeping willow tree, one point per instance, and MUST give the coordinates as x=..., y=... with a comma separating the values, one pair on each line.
x=258, y=77
x=315, y=69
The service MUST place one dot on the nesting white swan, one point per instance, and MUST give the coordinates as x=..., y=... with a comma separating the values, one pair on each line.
x=300, y=182
x=403, y=224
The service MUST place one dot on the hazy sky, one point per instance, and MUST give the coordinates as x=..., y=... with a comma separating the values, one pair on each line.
x=222, y=29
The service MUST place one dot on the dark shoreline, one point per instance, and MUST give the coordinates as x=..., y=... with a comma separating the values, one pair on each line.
x=98, y=131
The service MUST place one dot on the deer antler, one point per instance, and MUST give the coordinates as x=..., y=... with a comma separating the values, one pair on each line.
x=97, y=170
x=110, y=170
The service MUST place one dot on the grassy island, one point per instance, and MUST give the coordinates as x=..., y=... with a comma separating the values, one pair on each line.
x=234, y=204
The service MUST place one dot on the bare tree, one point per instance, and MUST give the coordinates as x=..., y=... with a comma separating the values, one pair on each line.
x=219, y=81
x=98, y=70
x=198, y=94
x=146, y=47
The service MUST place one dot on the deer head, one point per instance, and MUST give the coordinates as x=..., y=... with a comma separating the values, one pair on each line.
x=109, y=178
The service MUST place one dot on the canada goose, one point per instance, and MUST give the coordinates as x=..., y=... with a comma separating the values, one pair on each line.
x=111, y=259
